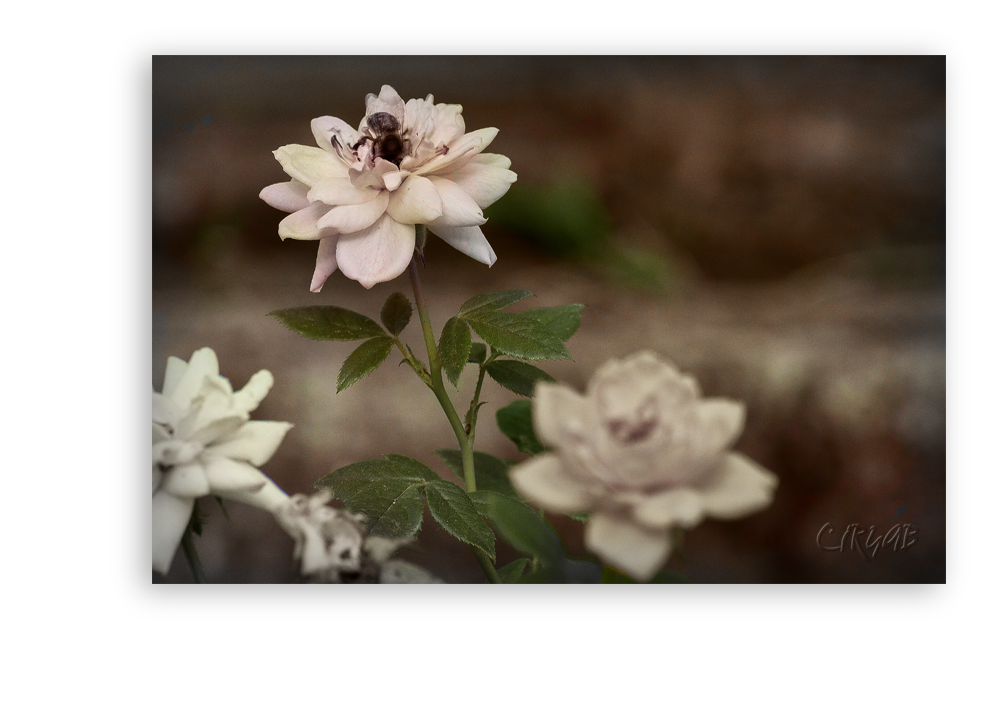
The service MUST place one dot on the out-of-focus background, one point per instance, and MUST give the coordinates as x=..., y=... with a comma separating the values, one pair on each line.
x=774, y=225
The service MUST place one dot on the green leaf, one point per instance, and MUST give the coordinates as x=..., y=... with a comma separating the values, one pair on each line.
x=389, y=492
x=518, y=335
x=516, y=376
x=520, y=526
x=492, y=301
x=456, y=341
x=453, y=510
x=514, y=421
x=396, y=313
x=511, y=573
x=583, y=517
x=562, y=321
x=365, y=359
x=322, y=323
x=491, y=471
x=477, y=353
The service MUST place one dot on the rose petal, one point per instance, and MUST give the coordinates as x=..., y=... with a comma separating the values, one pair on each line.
x=186, y=481
x=308, y=164
x=392, y=179
x=459, y=209
x=326, y=263
x=255, y=442
x=559, y=411
x=468, y=240
x=378, y=176
x=460, y=151
x=543, y=481
x=739, y=487
x=722, y=423
x=270, y=497
x=203, y=363
x=226, y=476
x=340, y=191
x=290, y=196
x=301, y=225
x=378, y=253
x=172, y=376
x=249, y=397
x=165, y=411
x=347, y=219
x=416, y=202
x=484, y=183
x=340, y=134
x=387, y=101
x=170, y=519
x=637, y=551
x=681, y=506
x=449, y=124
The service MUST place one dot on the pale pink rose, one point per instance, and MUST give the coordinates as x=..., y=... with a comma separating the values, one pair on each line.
x=205, y=443
x=645, y=453
x=360, y=193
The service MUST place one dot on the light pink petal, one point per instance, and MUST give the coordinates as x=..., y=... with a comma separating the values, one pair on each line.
x=722, y=423
x=449, y=124
x=460, y=210
x=301, y=225
x=340, y=191
x=347, y=219
x=620, y=543
x=326, y=263
x=203, y=363
x=416, y=202
x=170, y=519
x=378, y=253
x=739, y=487
x=255, y=442
x=378, y=176
x=308, y=164
x=393, y=179
x=460, y=151
x=468, y=240
x=226, y=476
x=338, y=133
x=543, y=482
x=290, y=196
x=172, y=376
x=483, y=182
x=559, y=412
x=388, y=101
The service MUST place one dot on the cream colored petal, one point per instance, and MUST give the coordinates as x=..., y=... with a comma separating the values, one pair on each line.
x=165, y=411
x=172, y=376
x=255, y=442
x=203, y=363
x=308, y=164
x=722, y=422
x=226, y=476
x=340, y=191
x=186, y=481
x=622, y=544
x=460, y=151
x=417, y=202
x=467, y=240
x=301, y=225
x=681, y=506
x=269, y=498
x=347, y=219
x=739, y=487
x=458, y=208
x=256, y=389
x=326, y=263
x=389, y=101
x=484, y=183
x=558, y=410
x=170, y=519
x=377, y=254
x=325, y=128
x=543, y=482
x=290, y=196
x=393, y=179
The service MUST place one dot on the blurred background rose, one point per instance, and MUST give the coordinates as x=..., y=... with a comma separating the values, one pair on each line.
x=774, y=225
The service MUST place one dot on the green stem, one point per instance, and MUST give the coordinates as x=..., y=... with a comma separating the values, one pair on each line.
x=465, y=440
x=187, y=543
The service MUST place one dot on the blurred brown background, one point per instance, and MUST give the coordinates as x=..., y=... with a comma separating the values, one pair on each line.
x=774, y=225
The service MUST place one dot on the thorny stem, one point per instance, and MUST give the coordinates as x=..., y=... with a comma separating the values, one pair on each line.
x=465, y=440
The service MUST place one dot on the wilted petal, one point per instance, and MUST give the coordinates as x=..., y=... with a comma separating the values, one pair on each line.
x=618, y=542
x=301, y=225
x=226, y=476
x=170, y=519
x=378, y=253
x=255, y=442
x=416, y=202
x=543, y=481
x=739, y=487
x=290, y=196
x=459, y=209
x=468, y=240
x=326, y=263
x=308, y=164
x=347, y=219
x=203, y=363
